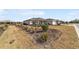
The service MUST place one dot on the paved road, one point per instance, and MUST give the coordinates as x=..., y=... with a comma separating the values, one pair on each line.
x=77, y=29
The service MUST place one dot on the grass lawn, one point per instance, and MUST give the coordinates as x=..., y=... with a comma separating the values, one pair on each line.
x=68, y=38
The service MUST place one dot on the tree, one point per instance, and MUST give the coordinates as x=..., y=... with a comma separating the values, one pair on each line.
x=44, y=27
x=75, y=21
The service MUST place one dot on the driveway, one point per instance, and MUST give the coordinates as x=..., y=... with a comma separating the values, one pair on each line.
x=77, y=29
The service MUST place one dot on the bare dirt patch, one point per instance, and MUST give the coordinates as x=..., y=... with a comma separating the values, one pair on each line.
x=53, y=35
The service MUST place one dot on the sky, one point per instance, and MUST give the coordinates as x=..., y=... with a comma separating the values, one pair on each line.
x=24, y=14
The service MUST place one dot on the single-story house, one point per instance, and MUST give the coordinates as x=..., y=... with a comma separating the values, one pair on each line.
x=36, y=21
x=39, y=21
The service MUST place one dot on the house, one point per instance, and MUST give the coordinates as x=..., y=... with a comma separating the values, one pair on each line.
x=36, y=21
x=53, y=22
x=39, y=21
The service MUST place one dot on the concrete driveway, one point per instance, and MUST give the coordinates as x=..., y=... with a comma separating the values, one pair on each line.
x=77, y=29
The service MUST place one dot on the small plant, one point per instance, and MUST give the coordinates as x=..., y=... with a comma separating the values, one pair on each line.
x=44, y=27
x=5, y=26
x=44, y=37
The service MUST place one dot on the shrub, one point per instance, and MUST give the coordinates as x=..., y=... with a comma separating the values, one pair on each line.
x=5, y=26
x=24, y=27
x=44, y=27
x=44, y=37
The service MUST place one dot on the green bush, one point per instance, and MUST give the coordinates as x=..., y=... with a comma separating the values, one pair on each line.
x=44, y=27
x=44, y=37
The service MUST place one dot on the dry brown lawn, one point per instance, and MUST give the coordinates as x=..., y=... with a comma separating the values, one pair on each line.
x=68, y=39
x=15, y=37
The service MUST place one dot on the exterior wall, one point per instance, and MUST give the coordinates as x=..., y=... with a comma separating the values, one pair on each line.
x=54, y=23
x=39, y=22
x=58, y=23
x=42, y=22
x=30, y=22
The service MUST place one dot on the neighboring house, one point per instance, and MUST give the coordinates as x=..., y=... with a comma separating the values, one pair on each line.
x=36, y=21
x=39, y=21
x=53, y=22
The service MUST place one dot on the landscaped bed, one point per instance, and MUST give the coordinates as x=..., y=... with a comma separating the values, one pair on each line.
x=50, y=36
x=43, y=39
